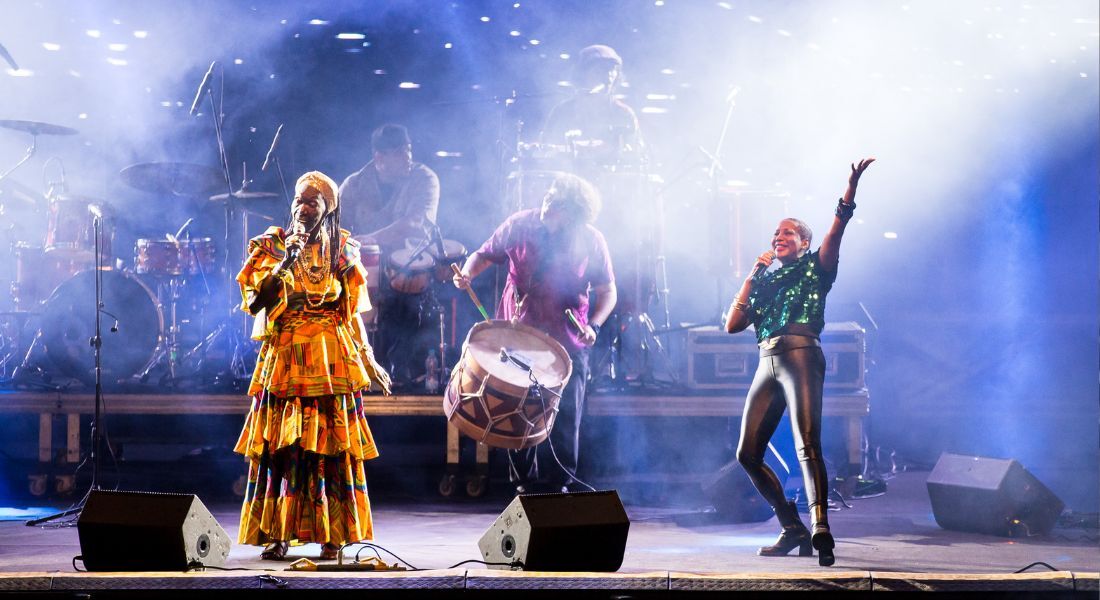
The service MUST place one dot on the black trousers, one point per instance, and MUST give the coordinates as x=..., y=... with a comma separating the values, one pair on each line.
x=788, y=379
x=537, y=464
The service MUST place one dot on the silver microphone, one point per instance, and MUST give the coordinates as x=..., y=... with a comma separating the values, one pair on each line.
x=292, y=251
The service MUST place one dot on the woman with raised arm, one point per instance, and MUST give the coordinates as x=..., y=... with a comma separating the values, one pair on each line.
x=787, y=309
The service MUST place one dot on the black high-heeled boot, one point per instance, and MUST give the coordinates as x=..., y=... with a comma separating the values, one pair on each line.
x=822, y=538
x=794, y=534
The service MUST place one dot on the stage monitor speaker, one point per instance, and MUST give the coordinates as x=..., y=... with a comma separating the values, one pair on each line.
x=990, y=495
x=733, y=496
x=584, y=531
x=144, y=531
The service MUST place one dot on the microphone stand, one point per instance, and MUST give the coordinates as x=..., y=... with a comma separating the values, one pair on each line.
x=712, y=172
x=97, y=348
x=237, y=369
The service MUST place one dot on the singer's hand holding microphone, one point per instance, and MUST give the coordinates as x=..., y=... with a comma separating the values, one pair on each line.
x=762, y=263
x=298, y=237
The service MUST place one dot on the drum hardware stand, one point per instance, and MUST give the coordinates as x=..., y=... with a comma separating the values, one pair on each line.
x=168, y=344
x=30, y=152
x=648, y=344
x=434, y=375
x=96, y=343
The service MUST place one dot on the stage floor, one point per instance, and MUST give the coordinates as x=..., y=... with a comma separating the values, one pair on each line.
x=890, y=534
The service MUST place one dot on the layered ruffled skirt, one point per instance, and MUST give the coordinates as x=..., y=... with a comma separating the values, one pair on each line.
x=306, y=438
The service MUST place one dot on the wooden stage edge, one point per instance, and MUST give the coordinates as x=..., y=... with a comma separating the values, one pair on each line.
x=462, y=580
x=852, y=406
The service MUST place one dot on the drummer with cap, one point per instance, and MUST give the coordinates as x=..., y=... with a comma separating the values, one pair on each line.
x=392, y=197
x=555, y=258
x=594, y=123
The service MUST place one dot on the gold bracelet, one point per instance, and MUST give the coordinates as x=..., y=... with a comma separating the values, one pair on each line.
x=741, y=306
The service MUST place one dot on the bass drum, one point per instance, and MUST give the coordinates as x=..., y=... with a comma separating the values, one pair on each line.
x=69, y=322
x=495, y=402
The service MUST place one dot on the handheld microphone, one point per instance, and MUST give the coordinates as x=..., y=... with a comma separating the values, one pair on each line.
x=203, y=88
x=271, y=150
x=292, y=251
x=761, y=268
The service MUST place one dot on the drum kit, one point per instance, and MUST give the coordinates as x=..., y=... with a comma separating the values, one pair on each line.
x=157, y=303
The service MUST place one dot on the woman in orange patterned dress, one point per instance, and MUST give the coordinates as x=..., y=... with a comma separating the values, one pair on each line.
x=306, y=435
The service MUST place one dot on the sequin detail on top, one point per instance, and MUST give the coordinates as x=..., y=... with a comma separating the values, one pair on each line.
x=792, y=294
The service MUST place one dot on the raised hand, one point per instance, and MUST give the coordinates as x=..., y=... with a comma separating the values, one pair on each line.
x=858, y=169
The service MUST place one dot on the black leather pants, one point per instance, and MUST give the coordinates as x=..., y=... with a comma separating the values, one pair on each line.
x=790, y=375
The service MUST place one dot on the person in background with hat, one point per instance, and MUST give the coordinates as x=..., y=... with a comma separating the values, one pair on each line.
x=594, y=123
x=391, y=198
x=395, y=200
x=306, y=436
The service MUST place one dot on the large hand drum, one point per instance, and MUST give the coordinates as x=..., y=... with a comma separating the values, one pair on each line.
x=496, y=402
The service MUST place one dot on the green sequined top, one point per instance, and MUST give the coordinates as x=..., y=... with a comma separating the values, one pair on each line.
x=791, y=299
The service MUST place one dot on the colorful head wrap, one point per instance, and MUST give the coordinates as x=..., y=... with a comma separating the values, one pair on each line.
x=322, y=183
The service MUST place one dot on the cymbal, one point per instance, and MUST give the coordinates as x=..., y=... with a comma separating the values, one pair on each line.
x=37, y=128
x=244, y=195
x=177, y=179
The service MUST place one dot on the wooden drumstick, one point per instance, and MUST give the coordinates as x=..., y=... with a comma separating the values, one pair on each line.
x=575, y=322
x=470, y=291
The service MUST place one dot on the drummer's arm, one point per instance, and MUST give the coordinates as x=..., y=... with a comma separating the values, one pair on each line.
x=606, y=297
x=475, y=264
x=420, y=197
x=394, y=234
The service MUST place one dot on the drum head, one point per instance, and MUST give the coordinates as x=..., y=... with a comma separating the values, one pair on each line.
x=69, y=324
x=401, y=260
x=548, y=359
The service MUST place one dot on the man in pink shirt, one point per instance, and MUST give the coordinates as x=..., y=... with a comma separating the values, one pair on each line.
x=555, y=258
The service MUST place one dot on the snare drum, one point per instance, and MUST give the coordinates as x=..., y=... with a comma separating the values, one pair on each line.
x=157, y=257
x=408, y=275
x=371, y=257
x=166, y=258
x=496, y=402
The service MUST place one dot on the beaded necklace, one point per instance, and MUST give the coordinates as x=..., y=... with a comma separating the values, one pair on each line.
x=308, y=276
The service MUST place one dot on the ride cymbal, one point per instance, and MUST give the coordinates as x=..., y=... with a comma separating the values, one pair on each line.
x=177, y=179
x=38, y=128
x=244, y=195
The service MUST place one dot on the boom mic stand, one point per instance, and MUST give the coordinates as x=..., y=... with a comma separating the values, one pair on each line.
x=234, y=331
x=97, y=348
